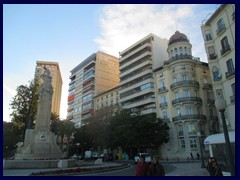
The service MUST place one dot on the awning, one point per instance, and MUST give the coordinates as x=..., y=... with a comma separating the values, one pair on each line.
x=219, y=138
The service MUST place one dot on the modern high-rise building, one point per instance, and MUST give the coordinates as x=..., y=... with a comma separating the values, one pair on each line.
x=136, y=73
x=219, y=39
x=183, y=99
x=56, y=82
x=95, y=75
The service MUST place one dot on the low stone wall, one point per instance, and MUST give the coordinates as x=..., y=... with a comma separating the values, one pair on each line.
x=36, y=164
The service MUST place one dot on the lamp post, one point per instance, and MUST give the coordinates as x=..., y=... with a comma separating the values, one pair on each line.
x=200, y=143
x=221, y=106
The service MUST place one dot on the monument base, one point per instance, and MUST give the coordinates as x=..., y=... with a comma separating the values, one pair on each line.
x=42, y=145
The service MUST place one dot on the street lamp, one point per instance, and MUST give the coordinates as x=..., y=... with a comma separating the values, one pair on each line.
x=221, y=106
x=200, y=143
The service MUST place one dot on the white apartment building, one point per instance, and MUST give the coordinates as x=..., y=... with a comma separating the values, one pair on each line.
x=136, y=73
x=219, y=39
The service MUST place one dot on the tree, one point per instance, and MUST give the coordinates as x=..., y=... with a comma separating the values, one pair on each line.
x=130, y=130
x=11, y=136
x=23, y=102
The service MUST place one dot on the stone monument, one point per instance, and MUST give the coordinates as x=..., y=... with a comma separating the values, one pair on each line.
x=40, y=142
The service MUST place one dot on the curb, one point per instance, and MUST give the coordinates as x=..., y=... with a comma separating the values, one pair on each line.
x=79, y=170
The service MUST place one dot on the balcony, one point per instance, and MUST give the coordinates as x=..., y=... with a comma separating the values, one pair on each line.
x=210, y=102
x=207, y=86
x=225, y=50
x=230, y=74
x=177, y=58
x=232, y=99
x=184, y=83
x=212, y=56
x=162, y=89
x=180, y=133
x=163, y=105
x=135, y=51
x=221, y=29
x=186, y=100
x=189, y=117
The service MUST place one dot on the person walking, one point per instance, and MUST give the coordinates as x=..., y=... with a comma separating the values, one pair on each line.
x=156, y=169
x=142, y=167
x=213, y=168
x=198, y=156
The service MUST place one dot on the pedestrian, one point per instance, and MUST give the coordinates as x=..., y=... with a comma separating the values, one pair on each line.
x=198, y=156
x=142, y=167
x=213, y=168
x=192, y=156
x=156, y=169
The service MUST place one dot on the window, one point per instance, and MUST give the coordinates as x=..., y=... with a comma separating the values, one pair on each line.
x=193, y=143
x=225, y=45
x=185, y=78
x=186, y=50
x=163, y=99
x=177, y=95
x=176, y=52
x=191, y=129
x=178, y=112
x=182, y=143
x=161, y=74
x=183, y=66
x=211, y=52
x=220, y=26
x=189, y=111
x=180, y=130
x=208, y=35
x=233, y=88
x=187, y=93
x=162, y=84
x=230, y=66
x=174, y=80
x=216, y=74
x=181, y=51
x=165, y=116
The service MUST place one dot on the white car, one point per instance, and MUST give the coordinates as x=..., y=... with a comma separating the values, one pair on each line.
x=148, y=158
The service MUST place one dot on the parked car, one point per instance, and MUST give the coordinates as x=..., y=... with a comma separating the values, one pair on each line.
x=107, y=157
x=94, y=155
x=148, y=158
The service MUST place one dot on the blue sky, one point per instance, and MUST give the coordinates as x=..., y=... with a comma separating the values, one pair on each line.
x=70, y=33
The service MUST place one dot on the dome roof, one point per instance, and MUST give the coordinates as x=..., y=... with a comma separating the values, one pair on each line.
x=177, y=37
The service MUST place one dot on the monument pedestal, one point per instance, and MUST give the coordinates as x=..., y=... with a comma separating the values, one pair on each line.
x=41, y=145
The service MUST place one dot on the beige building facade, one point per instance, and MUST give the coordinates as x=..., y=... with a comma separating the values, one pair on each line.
x=219, y=39
x=184, y=99
x=56, y=82
x=136, y=73
x=107, y=99
x=95, y=75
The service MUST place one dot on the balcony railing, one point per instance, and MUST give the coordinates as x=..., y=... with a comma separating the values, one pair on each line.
x=229, y=74
x=184, y=83
x=163, y=105
x=212, y=56
x=221, y=29
x=232, y=99
x=210, y=101
x=186, y=100
x=162, y=89
x=225, y=50
x=207, y=86
x=189, y=117
x=172, y=59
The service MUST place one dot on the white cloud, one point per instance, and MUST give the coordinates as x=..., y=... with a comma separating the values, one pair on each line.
x=124, y=24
